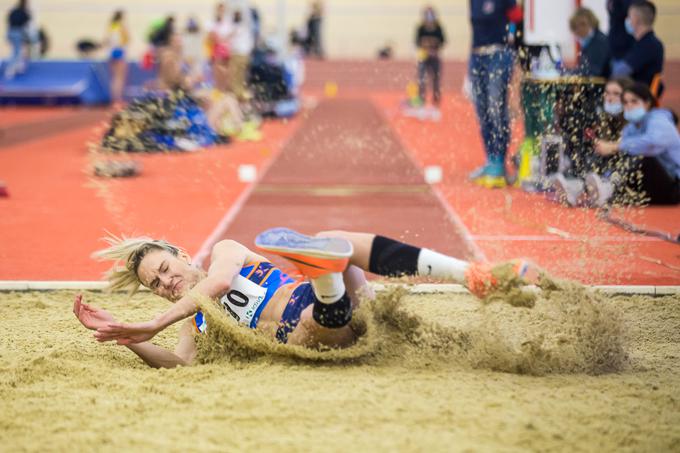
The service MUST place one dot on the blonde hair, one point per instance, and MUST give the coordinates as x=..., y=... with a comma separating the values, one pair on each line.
x=586, y=14
x=127, y=254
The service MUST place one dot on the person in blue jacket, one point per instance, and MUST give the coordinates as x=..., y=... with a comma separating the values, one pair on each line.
x=651, y=138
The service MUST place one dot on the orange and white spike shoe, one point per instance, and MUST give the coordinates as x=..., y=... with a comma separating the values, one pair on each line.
x=481, y=281
x=313, y=256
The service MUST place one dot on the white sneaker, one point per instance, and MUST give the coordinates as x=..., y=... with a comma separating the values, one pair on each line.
x=435, y=114
x=416, y=112
x=568, y=191
x=599, y=190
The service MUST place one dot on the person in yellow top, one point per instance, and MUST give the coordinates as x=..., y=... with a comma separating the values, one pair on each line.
x=117, y=39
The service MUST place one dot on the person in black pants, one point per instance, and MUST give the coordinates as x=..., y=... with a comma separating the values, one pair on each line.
x=313, y=45
x=429, y=40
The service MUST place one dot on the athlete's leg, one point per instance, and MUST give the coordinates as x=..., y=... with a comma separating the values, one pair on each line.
x=388, y=257
x=311, y=334
x=324, y=259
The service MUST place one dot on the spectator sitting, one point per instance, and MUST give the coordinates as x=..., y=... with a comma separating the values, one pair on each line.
x=171, y=68
x=594, y=56
x=652, y=134
x=610, y=122
x=162, y=32
x=644, y=61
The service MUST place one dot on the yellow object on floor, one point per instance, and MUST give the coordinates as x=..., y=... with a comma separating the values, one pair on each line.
x=330, y=89
x=491, y=182
x=249, y=132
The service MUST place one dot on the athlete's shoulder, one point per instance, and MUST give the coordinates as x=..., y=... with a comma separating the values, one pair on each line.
x=227, y=245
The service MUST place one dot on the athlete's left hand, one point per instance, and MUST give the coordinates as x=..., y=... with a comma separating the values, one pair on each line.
x=125, y=334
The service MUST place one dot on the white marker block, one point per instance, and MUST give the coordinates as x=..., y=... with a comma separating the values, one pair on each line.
x=247, y=173
x=433, y=174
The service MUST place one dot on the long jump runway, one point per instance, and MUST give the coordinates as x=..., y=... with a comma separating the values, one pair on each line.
x=346, y=169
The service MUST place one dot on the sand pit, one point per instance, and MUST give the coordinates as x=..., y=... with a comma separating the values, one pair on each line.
x=437, y=372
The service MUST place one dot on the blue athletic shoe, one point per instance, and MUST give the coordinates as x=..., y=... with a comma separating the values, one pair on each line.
x=313, y=256
x=491, y=176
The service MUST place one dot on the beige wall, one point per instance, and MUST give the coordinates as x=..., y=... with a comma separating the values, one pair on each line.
x=352, y=28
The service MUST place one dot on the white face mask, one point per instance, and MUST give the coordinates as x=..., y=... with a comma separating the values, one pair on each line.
x=613, y=108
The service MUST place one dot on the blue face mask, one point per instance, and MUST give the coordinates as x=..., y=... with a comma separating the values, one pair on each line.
x=583, y=42
x=629, y=27
x=613, y=108
x=635, y=115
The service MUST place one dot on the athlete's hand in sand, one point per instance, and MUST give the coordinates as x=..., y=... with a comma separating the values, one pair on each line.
x=91, y=317
x=127, y=333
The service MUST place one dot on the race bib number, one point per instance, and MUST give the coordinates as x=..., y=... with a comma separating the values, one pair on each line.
x=243, y=299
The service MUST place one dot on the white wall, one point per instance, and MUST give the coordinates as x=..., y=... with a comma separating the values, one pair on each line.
x=352, y=28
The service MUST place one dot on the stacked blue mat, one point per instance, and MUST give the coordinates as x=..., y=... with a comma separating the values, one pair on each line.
x=57, y=82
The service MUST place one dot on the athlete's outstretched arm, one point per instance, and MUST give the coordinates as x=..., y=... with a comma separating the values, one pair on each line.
x=227, y=259
x=159, y=357
x=154, y=356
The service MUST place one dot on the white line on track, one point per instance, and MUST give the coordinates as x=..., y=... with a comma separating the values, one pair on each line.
x=204, y=251
x=421, y=288
x=555, y=238
x=468, y=239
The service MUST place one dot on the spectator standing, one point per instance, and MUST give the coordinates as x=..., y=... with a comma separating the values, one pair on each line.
x=594, y=54
x=314, y=23
x=219, y=34
x=242, y=44
x=117, y=38
x=429, y=41
x=18, y=20
x=620, y=41
x=644, y=61
x=490, y=70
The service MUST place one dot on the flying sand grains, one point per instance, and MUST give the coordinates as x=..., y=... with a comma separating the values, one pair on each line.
x=565, y=329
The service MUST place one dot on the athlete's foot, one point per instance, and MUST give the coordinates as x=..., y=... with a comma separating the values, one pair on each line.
x=313, y=256
x=481, y=279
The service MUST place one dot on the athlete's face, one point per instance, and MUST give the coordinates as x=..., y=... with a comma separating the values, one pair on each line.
x=167, y=275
